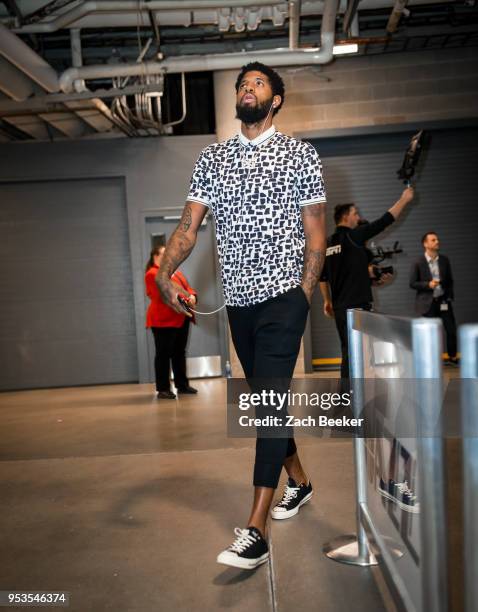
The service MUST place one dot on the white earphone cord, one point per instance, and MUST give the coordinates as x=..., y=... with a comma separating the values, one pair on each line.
x=226, y=244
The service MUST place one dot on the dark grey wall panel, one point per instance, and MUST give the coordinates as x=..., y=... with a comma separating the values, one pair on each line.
x=362, y=169
x=66, y=314
x=154, y=173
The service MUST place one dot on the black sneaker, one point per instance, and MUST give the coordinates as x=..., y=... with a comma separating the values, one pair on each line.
x=248, y=550
x=401, y=494
x=187, y=390
x=294, y=497
x=166, y=395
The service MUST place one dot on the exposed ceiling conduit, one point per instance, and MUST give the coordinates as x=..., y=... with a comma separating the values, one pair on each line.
x=350, y=14
x=38, y=70
x=396, y=15
x=133, y=6
x=199, y=63
x=294, y=23
x=25, y=59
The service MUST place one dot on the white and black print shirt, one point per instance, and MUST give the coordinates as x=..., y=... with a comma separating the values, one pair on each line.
x=255, y=189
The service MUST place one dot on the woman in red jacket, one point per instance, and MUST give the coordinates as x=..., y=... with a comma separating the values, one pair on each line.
x=170, y=330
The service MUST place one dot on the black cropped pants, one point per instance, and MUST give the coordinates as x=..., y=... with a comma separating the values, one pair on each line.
x=267, y=340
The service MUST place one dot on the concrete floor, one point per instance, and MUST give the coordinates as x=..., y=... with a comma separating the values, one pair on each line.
x=124, y=502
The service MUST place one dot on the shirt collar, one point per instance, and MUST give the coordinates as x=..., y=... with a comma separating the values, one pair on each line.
x=429, y=259
x=259, y=139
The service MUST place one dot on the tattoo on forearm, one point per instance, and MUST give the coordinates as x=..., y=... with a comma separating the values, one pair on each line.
x=313, y=262
x=178, y=248
x=186, y=219
x=314, y=210
x=313, y=257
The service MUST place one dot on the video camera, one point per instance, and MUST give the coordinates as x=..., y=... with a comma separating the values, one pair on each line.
x=380, y=254
x=412, y=155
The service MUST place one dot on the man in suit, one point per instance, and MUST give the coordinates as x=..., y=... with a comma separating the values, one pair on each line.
x=432, y=279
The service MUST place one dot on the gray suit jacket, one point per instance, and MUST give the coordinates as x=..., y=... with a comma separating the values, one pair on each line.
x=420, y=276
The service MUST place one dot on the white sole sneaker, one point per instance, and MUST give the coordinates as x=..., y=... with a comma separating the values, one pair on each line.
x=233, y=560
x=285, y=514
x=401, y=505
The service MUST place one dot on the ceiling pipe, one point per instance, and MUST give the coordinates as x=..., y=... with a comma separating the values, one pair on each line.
x=350, y=15
x=76, y=55
x=294, y=24
x=25, y=59
x=396, y=15
x=133, y=6
x=75, y=45
x=228, y=61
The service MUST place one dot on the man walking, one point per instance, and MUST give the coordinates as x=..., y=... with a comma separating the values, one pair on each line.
x=267, y=196
x=432, y=279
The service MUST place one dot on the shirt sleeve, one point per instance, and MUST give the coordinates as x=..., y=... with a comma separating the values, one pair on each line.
x=362, y=233
x=149, y=281
x=200, y=187
x=310, y=184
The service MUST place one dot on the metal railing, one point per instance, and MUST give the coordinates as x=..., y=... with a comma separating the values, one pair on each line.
x=469, y=412
x=419, y=342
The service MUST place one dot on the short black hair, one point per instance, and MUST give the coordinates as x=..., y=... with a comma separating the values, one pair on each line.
x=425, y=236
x=275, y=80
x=341, y=210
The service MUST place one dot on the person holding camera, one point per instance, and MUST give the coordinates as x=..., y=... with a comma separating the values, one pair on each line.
x=346, y=281
x=432, y=279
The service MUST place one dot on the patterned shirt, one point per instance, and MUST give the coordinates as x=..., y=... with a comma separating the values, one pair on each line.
x=255, y=190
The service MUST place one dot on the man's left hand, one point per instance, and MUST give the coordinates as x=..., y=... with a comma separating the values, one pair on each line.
x=385, y=279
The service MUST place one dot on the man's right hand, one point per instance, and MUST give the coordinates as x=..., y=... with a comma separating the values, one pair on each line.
x=407, y=195
x=169, y=292
x=433, y=283
x=328, y=310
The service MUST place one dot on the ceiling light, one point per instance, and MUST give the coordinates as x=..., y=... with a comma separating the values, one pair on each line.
x=345, y=49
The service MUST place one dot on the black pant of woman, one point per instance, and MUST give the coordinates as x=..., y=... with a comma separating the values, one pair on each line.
x=170, y=343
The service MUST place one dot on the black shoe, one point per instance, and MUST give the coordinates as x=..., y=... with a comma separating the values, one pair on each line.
x=454, y=361
x=400, y=494
x=166, y=395
x=248, y=550
x=187, y=390
x=294, y=497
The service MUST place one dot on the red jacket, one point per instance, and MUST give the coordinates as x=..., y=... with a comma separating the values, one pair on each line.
x=158, y=314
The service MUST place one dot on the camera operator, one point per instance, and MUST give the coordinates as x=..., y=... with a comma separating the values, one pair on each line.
x=346, y=280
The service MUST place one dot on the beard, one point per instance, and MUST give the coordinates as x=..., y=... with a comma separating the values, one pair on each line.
x=253, y=114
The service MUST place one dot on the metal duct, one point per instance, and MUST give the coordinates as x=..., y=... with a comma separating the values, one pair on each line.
x=121, y=6
x=198, y=63
x=294, y=23
x=396, y=15
x=25, y=59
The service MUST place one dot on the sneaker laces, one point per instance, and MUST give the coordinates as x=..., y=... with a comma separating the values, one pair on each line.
x=244, y=539
x=290, y=493
x=404, y=489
